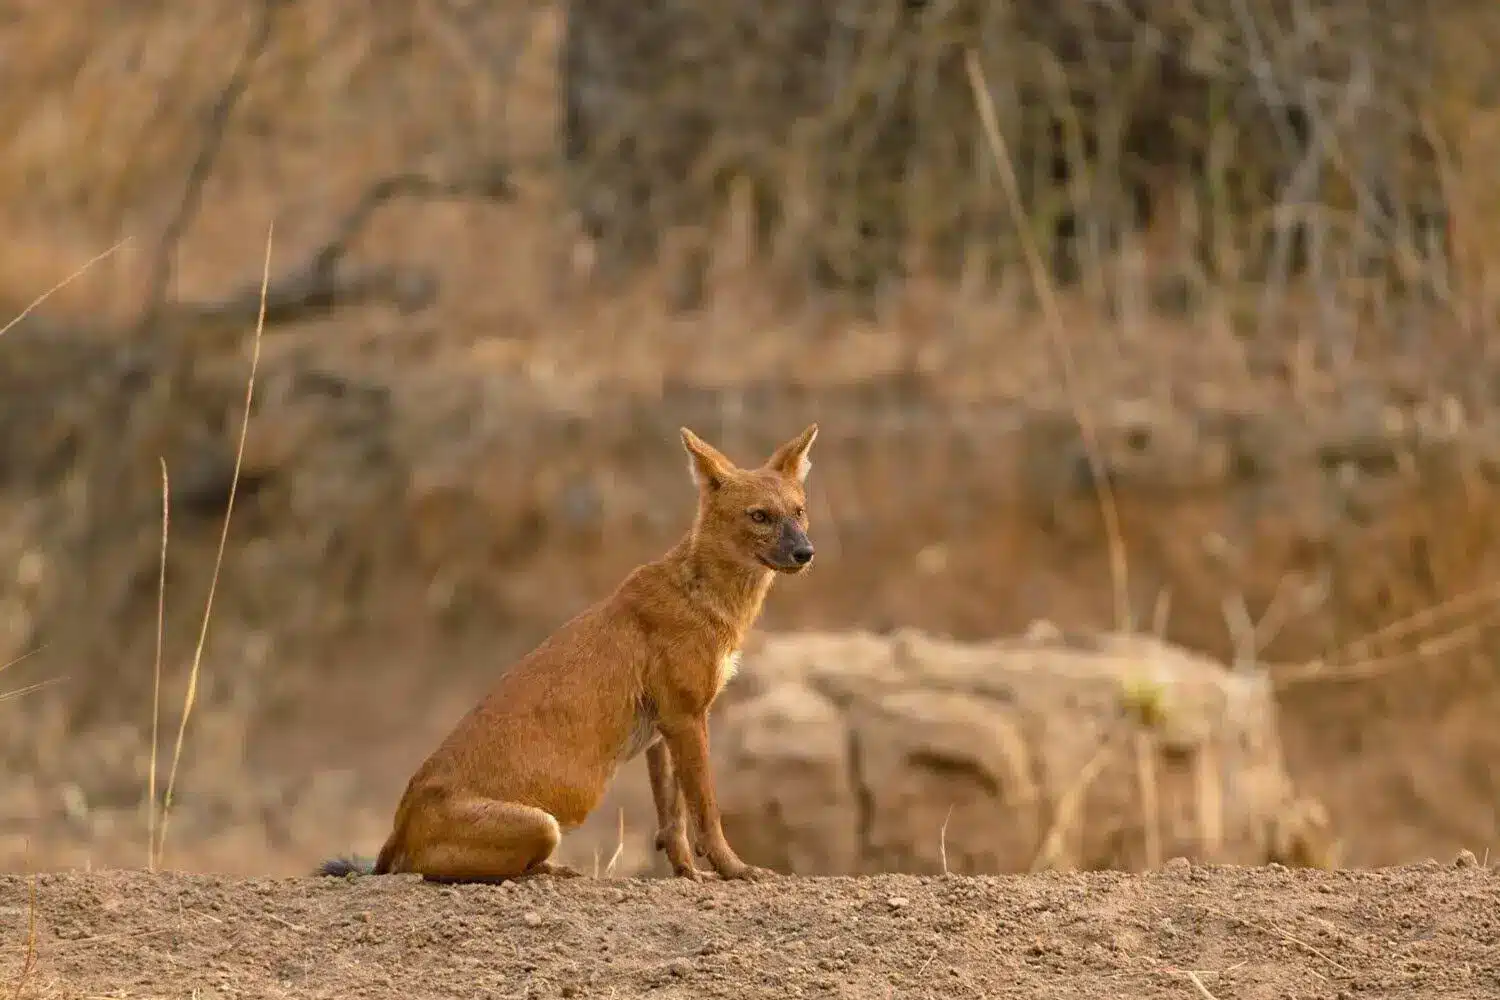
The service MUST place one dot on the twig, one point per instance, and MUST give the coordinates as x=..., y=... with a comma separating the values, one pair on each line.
x=60, y=286
x=121, y=936
x=619, y=847
x=943, y=840
x=1118, y=567
x=1198, y=986
x=286, y=923
x=1289, y=939
x=1364, y=670
x=1300, y=187
x=29, y=964
x=1452, y=607
x=161, y=617
x=1161, y=613
x=1068, y=807
x=192, y=690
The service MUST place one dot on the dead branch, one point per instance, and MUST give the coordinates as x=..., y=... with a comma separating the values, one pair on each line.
x=213, y=140
x=317, y=286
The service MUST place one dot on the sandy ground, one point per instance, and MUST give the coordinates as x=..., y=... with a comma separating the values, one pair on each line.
x=1426, y=931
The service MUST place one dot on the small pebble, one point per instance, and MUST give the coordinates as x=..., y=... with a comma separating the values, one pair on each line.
x=532, y=919
x=897, y=902
x=680, y=967
x=1178, y=865
x=1466, y=859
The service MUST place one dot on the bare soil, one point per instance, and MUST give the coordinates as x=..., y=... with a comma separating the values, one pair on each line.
x=1426, y=931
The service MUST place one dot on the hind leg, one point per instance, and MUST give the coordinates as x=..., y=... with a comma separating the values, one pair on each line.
x=483, y=840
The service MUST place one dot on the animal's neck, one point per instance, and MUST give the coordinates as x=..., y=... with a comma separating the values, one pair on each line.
x=730, y=591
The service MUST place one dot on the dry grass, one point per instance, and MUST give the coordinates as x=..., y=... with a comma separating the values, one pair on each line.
x=11, y=324
x=18, y=692
x=161, y=623
x=486, y=93
x=157, y=846
x=1119, y=571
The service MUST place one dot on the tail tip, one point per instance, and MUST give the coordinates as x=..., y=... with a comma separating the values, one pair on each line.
x=341, y=867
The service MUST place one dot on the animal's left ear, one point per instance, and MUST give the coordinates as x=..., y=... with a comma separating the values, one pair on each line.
x=791, y=458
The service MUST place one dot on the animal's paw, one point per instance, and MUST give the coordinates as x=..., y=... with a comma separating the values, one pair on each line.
x=674, y=844
x=745, y=873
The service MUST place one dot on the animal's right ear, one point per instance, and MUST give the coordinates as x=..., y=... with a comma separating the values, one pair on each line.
x=709, y=466
x=791, y=458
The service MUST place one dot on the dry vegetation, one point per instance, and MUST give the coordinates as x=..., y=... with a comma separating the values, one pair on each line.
x=1265, y=239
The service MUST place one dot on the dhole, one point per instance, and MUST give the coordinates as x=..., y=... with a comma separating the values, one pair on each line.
x=636, y=672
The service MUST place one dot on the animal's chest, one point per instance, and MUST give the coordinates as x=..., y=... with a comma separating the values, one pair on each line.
x=643, y=732
x=725, y=669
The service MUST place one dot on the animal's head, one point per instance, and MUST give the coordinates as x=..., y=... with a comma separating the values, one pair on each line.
x=756, y=517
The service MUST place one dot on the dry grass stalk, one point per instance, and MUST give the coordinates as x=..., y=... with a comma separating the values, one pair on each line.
x=191, y=695
x=943, y=840
x=161, y=619
x=1198, y=986
x=614, y=858
x=1046, y=294
x=1455, y=606
x=1145, y=765
x=36, y=302
x=1210, y=781
x=28, y=964
x=1426, y=651
x=18, y=692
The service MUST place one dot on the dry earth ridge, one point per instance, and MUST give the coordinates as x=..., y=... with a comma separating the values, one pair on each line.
x=1230, y=933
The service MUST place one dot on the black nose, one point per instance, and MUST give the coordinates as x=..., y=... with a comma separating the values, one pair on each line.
x=802, y=555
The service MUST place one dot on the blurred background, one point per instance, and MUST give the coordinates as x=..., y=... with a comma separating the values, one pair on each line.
x=1152, y=346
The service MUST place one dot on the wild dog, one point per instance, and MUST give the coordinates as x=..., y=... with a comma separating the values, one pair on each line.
x=635, y=673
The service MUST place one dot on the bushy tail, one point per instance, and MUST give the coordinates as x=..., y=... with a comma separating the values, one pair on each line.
x=339, y=867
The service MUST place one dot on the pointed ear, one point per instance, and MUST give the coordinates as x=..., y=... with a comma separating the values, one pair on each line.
x=709, y=466
x=791, y=458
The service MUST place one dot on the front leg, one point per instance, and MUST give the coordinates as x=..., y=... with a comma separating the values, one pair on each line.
x=687, y=738
x=671, y=812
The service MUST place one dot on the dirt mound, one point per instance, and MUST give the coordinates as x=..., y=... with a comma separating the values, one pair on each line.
x=848, y=754
x=1225, y=932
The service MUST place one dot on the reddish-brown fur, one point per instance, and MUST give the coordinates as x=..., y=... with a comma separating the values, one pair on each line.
x=635, y=672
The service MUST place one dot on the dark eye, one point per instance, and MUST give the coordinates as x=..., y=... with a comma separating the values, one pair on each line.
x=759, y=516
x=800, y=512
